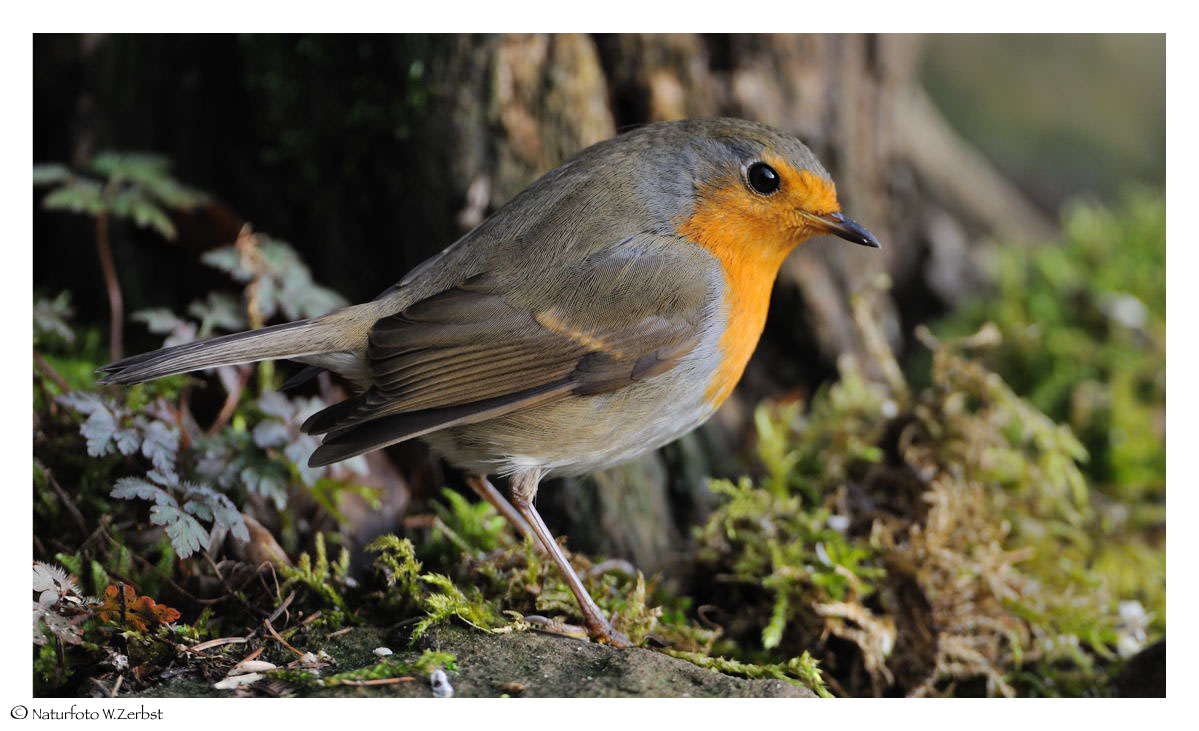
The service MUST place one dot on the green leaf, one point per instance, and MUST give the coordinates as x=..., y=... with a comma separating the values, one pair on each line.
x=84, y=402
x=161, y=445
x=211, y=505
x=127, y=441
x=78, y=196
x=99, y=430
x=134, y=166
x=164, y=322
x=271, y=433
x=151, y=175
x=175, y=195
x=219, y=311
x=268, y=480
x=51, y=582
x=396, y=561
x=129, y=488
x=273, y=403
x=132, y=203
x=47, y=173
x=227, y=259
x=300, y=448
x=148, y=215
x=166, y=479
x=186, y=534
x=50, y=317
x=298, y=296
x=158, y=320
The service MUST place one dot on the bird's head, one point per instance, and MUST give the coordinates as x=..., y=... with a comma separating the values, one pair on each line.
x=753, y=186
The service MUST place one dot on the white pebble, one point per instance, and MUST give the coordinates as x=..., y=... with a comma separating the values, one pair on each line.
x=252, y=666
x=236, y=681
x=441, y=684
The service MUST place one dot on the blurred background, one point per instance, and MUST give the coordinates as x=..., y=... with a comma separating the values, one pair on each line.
x=1016, y=180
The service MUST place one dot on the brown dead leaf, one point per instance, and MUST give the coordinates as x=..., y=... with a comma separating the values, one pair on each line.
x=122, y=605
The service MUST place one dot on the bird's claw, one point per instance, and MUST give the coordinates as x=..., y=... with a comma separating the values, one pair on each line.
x=600, y=630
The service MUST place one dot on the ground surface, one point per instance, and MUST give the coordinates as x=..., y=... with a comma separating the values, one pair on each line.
x=524, y=664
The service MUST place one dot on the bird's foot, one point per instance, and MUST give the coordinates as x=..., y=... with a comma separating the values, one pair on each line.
x=605, y=633
x=597, y=631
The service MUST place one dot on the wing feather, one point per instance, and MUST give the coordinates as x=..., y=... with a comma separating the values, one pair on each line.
x=474, y=351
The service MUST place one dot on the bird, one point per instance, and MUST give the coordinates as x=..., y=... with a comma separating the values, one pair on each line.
x=606, y=310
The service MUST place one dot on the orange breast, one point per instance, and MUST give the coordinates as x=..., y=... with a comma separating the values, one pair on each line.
x=750, y=235
x=750, y=249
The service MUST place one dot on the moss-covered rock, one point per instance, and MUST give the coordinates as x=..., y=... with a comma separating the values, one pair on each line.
x=518, y=664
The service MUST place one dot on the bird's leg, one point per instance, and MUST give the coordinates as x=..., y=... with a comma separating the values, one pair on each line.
x=523, y=486
x=484, y=489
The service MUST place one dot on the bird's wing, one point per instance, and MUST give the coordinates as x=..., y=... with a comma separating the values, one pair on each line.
x=485, y=347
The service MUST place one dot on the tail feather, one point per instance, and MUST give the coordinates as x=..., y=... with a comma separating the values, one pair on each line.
x=289, y=340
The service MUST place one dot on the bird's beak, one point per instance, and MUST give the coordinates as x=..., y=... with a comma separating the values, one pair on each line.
x=838, y=225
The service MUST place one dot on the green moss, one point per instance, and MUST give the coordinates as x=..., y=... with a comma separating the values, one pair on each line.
x=391, y=667
x=1082, y=337
x=397, y=563
x=320, y=577
x=463, y=526
x=388, y=667
x=802, y=670
x=990, y=523
x=771, y=541
x=447, y=600
x=944, y=533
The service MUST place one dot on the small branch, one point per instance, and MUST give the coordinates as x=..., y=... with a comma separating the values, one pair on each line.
x=66, y=500
x=251, y=657
x=311, y=618
x=217, y=643
x=282, y=607
x=183, y=418
x=121, y=598
x=377, y=681
x=267, y=623
x=48, y=370
x=232, y=397
x=61, y=656
x=247, y=247
x=116, y=303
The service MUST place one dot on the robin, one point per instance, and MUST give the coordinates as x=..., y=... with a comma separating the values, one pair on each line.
x=606, y=310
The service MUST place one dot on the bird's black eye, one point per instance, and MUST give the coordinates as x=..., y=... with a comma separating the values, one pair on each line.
x=762, y=178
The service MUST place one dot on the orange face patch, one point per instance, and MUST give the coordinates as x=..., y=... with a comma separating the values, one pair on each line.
x=750, y=234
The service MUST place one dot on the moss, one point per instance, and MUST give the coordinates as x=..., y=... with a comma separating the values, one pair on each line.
x=989, y=522
x=397, y=563
x=1081, y=335
x=391, y=667
x=802, y=670
x=320, y=577
x=943, y=534
x=447, y=600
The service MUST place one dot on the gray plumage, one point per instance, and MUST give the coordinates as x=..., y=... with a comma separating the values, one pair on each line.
x=507, y=349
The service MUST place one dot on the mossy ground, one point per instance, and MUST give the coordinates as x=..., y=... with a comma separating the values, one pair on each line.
x=937, y=532
x=517, y=665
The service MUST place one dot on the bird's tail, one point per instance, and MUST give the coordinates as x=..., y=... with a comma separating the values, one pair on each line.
x=297, y=339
